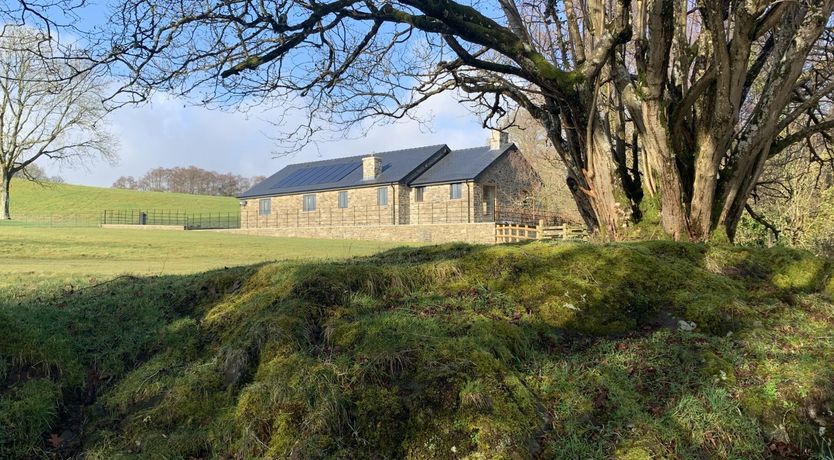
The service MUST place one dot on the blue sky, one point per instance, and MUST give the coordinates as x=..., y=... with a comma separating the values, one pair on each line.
x=173, y=132
x=170, y=132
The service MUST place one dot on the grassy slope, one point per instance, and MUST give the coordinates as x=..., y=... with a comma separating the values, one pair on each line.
x=67, y=253
x=28, y=197
x=555, y=351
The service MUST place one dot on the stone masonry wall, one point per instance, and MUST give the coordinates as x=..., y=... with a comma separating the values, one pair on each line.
x=287, y=210
x=515, y=181
x=483, y=233
x=438, y=207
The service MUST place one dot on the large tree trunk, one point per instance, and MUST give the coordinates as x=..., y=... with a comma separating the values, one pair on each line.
x=656, y=143
x=5, y=183
x=607, y=193
x=592, y=174
x=702, y=208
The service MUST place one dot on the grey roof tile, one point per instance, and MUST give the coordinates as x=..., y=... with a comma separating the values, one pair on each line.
x=460, y=165
x=397, y=166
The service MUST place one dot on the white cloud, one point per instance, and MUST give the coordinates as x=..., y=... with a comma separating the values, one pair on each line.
x=167, y=132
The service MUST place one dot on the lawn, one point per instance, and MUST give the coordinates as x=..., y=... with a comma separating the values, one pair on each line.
x=31, y=198
x=36, y=253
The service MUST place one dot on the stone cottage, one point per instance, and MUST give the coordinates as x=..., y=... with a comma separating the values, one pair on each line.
x=416, y=194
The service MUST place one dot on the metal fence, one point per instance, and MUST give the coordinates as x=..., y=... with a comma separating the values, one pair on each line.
x=422, y=213
x=190, y=221
x=321, y=217
x=77, y=219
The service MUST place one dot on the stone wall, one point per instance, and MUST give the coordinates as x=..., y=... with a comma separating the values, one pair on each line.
x=483, y=233
x=438, y=207
x=515, y=182
x=288, y=210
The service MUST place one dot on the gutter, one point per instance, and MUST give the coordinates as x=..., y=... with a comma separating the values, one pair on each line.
x=394, y=219
x=319, y=190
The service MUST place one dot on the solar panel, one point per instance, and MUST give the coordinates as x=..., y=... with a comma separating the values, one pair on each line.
x=317, y=175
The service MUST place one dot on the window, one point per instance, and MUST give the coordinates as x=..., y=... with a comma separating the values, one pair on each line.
x=309, y=203
x=418, y=194
x=489, y=198
x=265, y=207
x=382, y=196
x=455, y=191
x=343, y=200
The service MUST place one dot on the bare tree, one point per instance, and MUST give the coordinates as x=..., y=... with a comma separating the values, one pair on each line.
x=533, y=143
x=49, y=16
x=191, y=180
x=125, y=182
x=48, y=110
x=687, y=99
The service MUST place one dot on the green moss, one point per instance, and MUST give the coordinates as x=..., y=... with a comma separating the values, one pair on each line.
x=536, y=350
x=718, y=370
x=632, y=453
x=546, y=69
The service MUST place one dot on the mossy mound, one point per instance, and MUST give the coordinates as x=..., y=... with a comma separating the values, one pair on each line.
x=640, y=350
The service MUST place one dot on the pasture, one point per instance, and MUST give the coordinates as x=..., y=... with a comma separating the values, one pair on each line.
x=37, y=253
x=49, y=198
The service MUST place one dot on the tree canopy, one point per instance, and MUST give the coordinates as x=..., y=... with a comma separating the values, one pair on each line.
x=681, y=100
x=49, y=108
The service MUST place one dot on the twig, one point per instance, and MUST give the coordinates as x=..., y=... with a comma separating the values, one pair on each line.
x=760, y=219
x=135, y=278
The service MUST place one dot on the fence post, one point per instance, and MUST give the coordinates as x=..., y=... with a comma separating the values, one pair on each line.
x=540, y=229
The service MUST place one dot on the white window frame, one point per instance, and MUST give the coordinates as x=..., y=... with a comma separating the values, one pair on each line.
x=265, y=206
x=304, y=205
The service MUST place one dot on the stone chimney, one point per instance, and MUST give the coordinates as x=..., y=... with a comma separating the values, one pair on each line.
x=371, y=167
x=498, y=139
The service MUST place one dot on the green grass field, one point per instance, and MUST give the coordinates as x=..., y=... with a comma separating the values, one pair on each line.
x=30, y=253
x=31, y=198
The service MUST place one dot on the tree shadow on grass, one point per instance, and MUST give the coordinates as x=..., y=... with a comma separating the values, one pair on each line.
x=529, y=350
x=60, y=346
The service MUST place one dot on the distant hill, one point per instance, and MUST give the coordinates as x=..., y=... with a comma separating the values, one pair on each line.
x=31, y=198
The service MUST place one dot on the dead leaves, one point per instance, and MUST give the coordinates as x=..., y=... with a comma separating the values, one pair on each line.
x=56, y=440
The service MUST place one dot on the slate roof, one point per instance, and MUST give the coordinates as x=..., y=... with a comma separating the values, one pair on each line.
x=397, y=166
x=460, y=165
x=433, y=164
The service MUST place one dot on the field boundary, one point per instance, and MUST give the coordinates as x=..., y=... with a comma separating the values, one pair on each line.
x=475, y=233
x=146, y=227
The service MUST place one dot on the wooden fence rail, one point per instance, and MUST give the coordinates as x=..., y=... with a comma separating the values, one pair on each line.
x=514, y=233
